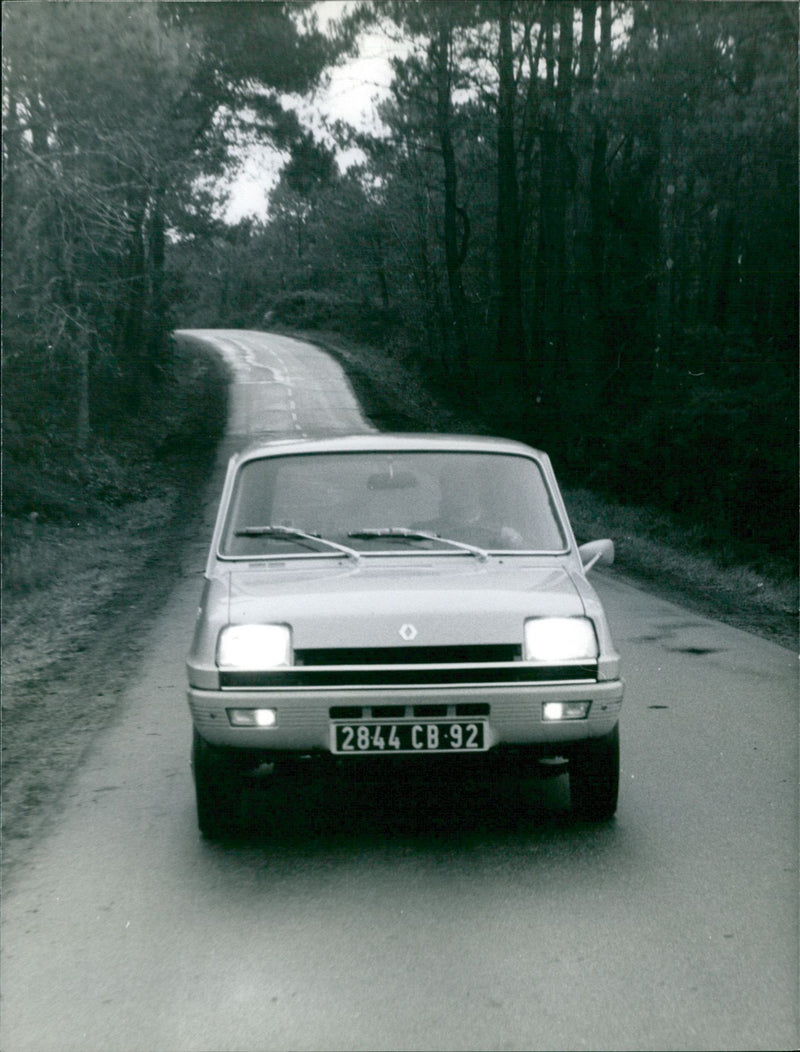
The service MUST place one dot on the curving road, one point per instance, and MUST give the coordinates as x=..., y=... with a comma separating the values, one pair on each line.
x=281, y=386
x=481, y=919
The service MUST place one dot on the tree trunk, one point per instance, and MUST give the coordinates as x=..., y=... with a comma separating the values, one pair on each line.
x=666, y=256
x=528, y=171
x=131, y=314
x=556, y=186
x=584, y=338
x=380, y=270
x=723, y=271
x=511, y=344
x=565, y=184
x=158, y=309
x=454, y=253
x=599, y=178
x=83, y=419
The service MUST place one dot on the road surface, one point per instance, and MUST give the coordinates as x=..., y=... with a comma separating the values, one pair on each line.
x=479, y=919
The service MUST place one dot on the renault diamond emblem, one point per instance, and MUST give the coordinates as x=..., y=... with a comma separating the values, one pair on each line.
x=408, y=632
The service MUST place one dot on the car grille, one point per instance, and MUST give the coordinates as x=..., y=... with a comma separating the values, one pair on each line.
x=459, y=655
x=398, y=667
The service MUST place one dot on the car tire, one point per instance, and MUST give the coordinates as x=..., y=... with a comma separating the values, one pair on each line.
x=594, y=778
x=218, y=789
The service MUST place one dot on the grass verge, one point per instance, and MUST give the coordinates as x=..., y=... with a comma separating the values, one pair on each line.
x=80, y=577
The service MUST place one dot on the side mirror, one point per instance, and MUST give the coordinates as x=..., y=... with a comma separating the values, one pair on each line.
x=595, y=552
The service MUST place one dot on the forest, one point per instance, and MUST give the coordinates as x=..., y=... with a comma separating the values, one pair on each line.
x=576, y=220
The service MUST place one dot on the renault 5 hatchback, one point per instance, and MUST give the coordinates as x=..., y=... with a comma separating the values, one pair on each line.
x=399, y=600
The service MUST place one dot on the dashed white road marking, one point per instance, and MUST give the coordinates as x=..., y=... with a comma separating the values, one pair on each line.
x=308, y=391
x=245, y=361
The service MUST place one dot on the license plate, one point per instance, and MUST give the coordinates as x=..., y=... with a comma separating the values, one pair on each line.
x=452, y=736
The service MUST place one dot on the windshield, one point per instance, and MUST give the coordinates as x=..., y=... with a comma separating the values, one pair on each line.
x=391, y=502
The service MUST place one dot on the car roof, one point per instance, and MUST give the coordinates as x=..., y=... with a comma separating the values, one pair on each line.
x=377, y=442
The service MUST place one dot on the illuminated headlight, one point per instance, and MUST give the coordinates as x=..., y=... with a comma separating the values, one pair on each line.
x=252, y=717
x=560, y=639
x=565, y=710
x=252, y=648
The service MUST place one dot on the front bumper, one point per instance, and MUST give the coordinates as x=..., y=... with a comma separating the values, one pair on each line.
x=304, y=717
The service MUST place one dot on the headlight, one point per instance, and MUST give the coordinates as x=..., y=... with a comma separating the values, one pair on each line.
x=253, y=648
x=560, y=639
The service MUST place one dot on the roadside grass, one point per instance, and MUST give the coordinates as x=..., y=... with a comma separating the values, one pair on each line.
x=759, y=596
x=27, y=562
x=651, y=546
x=57, y=578
x=92, y=544
x=80, y=529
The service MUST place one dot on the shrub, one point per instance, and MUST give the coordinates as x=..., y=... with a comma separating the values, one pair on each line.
x=311, y=309
x=720, y=460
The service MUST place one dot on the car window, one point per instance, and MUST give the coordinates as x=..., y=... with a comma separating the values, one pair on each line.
x=492, y=501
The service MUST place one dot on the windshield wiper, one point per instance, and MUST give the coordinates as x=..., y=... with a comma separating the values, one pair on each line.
x=289, y=533
x=418, y=535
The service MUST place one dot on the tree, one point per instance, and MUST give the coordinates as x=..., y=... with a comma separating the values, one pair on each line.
x=423, y=116
x=583, y=215
x=511, y=341
x=91, y=156
x=112, y=113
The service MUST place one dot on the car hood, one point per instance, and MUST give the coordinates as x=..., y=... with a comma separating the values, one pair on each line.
x=370, y=605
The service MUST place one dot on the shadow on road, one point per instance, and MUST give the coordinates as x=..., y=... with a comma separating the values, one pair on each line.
x=318, y=808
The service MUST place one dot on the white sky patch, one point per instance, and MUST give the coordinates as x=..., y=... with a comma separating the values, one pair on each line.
x=250, y=187
x=351, y=94
x=356, y=87
x=328, y=11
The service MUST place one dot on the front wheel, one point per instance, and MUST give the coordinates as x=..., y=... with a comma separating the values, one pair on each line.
x=594, y=778
x=218, y=789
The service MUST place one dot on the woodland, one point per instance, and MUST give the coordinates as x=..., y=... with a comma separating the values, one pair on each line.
x=578, y=221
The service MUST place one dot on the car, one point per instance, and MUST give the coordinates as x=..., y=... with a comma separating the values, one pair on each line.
x=407, y=601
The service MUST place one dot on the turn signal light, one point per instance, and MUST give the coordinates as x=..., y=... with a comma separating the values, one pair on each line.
x=565, y=710
x=252, y=717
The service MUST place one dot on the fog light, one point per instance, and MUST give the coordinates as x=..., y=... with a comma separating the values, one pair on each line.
x=565, y=710
x=252, y=717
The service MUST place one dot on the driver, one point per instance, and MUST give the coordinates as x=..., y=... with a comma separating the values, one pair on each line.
x=464, y=514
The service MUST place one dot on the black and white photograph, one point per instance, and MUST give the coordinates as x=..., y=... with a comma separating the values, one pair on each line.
x=400, y=526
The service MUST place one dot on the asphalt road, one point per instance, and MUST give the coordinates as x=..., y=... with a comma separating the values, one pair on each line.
x=481, y=918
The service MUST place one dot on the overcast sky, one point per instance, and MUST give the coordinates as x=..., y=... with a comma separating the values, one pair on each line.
x=350, y=95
